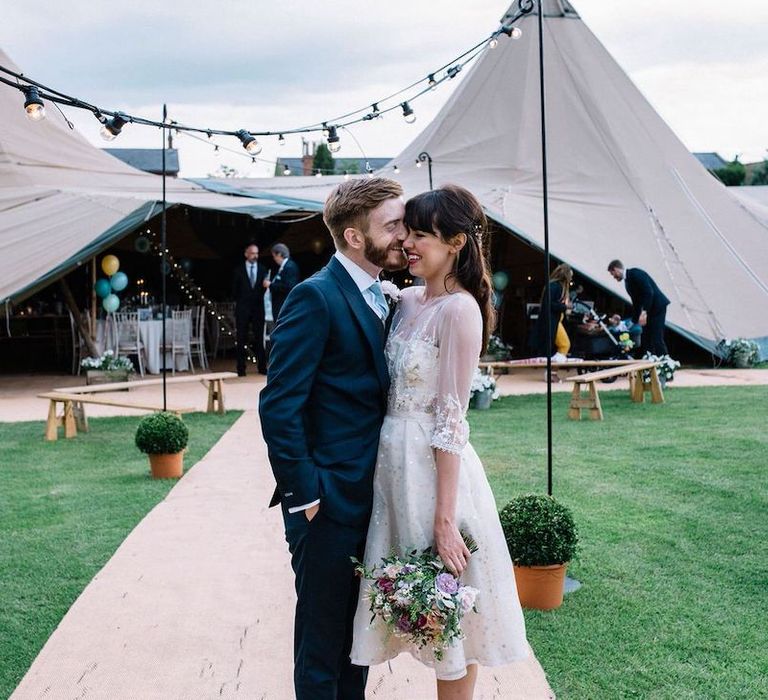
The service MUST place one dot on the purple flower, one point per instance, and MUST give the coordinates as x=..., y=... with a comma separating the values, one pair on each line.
x=404, y=624
x=409, y=568
x=446, y=583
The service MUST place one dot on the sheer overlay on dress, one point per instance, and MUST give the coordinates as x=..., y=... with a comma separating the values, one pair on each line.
x=432, y=353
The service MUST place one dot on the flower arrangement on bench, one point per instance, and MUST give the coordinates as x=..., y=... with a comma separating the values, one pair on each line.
x=107, y=368
x=483, y=390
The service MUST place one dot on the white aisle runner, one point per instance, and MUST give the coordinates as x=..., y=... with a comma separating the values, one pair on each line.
x=198, y=601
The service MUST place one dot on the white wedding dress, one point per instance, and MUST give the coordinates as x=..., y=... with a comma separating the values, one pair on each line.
x=432, y=352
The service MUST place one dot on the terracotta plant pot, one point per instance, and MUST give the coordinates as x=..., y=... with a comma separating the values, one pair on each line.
x=540, y=587
x=167, y=466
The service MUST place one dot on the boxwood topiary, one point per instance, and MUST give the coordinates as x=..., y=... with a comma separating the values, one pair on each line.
x=161, y=434
x=539, y=531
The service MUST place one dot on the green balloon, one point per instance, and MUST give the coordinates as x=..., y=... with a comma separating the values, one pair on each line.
x=500, y=281
x=102, y=287
x=111, y=303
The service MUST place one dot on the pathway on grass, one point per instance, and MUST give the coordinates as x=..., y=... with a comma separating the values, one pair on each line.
x=197, y=603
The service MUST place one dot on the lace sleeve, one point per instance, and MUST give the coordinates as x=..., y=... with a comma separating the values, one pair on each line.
x=459, y=336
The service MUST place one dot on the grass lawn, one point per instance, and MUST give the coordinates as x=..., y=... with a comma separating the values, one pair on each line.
x=65, y=507
x=672, y=506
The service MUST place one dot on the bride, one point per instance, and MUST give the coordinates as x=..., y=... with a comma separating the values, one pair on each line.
x=429, y=483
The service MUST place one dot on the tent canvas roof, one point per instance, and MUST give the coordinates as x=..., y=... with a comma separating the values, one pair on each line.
x=621, y=184
x=62, y=199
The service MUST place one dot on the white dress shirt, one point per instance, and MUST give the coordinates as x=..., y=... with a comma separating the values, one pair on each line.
x=363, y=281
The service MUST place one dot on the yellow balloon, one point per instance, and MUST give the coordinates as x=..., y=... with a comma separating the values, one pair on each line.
x=110, y=264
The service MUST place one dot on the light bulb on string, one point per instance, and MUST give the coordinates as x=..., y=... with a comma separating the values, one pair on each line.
x=493, y=43
x=33, y=104
x=334, y=142
x=408, y=114
x=431, y=82
x=281, y=140
x=396, y=170
x=249, y=142
x=516, y=33
x=453, y=71
x=418, y=163
x=286, y=170
x=111, y=128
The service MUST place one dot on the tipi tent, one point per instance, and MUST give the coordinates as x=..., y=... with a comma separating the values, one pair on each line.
x=621, y=184
x=62, y=200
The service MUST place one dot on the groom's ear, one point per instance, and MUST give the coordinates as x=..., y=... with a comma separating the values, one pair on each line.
x=354, y=238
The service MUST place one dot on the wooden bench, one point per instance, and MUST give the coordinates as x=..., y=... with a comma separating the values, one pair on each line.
x=492, y=367
x=213, y=379
x=637, y=388
x=73, y=415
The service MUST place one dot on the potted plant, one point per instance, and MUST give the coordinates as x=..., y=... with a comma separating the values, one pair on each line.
x=542, y=539
x=106, y=369
x=163, y=436
x=741, y=353
x=497, y=350
x=483, y=390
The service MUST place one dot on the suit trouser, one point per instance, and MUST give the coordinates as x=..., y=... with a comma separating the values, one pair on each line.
x=245, y=318
x=327, y=591
x=653, y=333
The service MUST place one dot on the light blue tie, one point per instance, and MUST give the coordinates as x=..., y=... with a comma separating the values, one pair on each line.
x=251, y=274
x=380, y=303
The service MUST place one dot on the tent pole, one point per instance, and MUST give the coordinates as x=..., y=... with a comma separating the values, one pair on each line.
x=93, y=300
x=547, y=300
x=162, y=271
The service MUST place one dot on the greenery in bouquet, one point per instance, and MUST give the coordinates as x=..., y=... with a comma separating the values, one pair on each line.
x=161, y=434
x=483, y=382
x=418, y=599
x=740, y=351
x=498, y=348
x=540, y=531
x=107, y=362
x=666, y=368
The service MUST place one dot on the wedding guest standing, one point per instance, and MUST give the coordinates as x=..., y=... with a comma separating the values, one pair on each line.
x=649, y=305
x=248, y=293
x=286, y=278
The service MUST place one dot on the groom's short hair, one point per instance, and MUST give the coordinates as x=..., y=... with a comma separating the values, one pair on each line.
x=350, y=202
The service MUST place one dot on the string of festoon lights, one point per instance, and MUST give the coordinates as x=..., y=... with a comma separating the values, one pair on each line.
x=195, y=294
x=113, y=121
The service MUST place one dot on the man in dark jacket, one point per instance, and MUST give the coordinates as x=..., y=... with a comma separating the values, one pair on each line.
x=248, y=293
x=286, y=278
x=649, y=305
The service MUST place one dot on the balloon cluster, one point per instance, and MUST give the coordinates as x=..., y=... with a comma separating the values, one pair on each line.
x=106, y=288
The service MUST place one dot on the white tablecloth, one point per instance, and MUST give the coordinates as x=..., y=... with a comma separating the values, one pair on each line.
x=151, y=334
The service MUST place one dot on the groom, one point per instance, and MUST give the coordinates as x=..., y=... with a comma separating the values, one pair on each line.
x=321, y=413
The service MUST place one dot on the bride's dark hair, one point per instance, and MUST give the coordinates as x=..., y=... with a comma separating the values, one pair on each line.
x=447, y=212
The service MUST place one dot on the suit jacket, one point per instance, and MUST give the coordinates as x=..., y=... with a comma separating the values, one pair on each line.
x=282, y=283
x=325, y=399
x=645, y=294
x=537, y=342
x=245, y=296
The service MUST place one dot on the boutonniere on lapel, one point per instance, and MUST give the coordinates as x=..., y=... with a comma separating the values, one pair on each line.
x=392, y=293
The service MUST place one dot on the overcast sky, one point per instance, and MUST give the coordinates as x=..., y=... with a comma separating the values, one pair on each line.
x=271, y=65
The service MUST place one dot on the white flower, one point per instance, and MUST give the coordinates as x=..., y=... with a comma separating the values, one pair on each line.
x=391, y=290
x=467, y=596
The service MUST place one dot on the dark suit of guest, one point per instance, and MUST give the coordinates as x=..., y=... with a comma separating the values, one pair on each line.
x=321, y=413
x=283, y=282
x=248, y=293
x=537, y=342
x=646, y=296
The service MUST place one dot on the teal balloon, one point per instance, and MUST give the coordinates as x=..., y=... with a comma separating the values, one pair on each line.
x=119, y=281
x=111, y=303
x=103, y=288
x=500, y=281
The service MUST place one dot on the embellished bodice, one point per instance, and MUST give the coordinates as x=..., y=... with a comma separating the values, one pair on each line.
x=432, y=352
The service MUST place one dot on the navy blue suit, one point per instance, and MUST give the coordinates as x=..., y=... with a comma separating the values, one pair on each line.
x=646, y=296
x=321, y=413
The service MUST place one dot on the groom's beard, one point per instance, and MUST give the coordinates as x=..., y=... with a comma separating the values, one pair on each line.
x=389, y=258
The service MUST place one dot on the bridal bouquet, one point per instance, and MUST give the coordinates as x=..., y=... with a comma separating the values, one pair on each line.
x=418, y=599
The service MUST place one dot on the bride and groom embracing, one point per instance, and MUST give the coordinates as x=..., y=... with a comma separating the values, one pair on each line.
x=365, y=425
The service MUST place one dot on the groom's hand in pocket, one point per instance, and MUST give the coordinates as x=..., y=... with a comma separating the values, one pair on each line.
x=311, y=512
